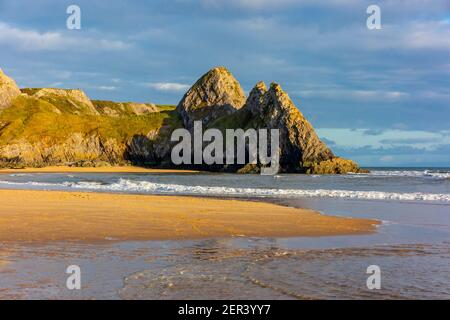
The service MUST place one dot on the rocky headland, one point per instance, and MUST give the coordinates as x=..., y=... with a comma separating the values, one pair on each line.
x=46, y=126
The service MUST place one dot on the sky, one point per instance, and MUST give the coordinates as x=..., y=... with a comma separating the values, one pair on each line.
x=380, y=97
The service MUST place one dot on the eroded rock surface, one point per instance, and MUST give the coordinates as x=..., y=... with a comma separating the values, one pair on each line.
x=215, y=94
x=8, y=90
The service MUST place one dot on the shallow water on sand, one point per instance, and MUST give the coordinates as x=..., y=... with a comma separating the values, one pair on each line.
x=226, y=269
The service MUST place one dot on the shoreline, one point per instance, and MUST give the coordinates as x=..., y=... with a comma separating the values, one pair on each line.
x=112, y=169
x=51, y=216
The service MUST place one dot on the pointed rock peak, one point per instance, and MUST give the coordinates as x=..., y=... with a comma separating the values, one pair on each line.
x=300, y=146
x=219, y=69
x=8, y=90
x=260, y=87
x=215, y=94
x=258, y=91
x=222, y=79
x=276, y=88
x=255, y=98
x=5, y=79
x=281, y=99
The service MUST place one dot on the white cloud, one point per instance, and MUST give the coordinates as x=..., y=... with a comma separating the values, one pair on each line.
x=356, y=95
x=249, y=4
x=404, y=35
x=428, y=35
x=390, y=138
x=55, y=84
x=107, y=88
x=169, y=86
x=31, y=40
x=271, y=4
x=387, y=158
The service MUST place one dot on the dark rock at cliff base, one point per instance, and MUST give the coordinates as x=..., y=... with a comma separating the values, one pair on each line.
x=215, y=94
x=8, y=90
x=335, y=166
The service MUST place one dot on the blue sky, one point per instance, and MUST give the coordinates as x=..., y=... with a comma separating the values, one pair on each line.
x=381, y=97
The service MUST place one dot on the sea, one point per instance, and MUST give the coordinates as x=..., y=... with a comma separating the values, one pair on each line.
x=411, y=247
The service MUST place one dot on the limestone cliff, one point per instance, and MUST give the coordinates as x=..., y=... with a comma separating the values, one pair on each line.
x=8, y=90
x=215, y=94
x=46, y=126
x=299, y=144
x=301, y=150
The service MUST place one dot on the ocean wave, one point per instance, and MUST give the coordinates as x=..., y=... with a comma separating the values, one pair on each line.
x=125, y=185
x=19, y=174
x=411, y=173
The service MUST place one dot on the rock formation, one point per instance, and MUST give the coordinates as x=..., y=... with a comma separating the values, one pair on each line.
x=8, y=90
x=215, y=94
x=44, y=127
x=301, y=150
x=117, y=109
x=73, y=100
x=300, y=146
x=57, y=126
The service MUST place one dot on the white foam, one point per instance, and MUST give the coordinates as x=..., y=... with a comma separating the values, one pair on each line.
x=30, y=183
x=124, y=185
x=19, y=174
x=411, y=173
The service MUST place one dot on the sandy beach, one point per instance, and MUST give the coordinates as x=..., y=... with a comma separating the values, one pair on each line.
x=112, y=169
x=45, y=216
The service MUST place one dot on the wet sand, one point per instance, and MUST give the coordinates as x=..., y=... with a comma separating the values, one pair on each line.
x=117, y=169
x=47, y=216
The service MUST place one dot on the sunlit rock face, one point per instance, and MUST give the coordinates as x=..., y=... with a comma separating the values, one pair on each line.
x=215, y=94
x=8, y=90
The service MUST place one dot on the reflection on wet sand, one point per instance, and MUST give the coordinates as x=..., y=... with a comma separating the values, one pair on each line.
x=221, y=269
x=274, y=273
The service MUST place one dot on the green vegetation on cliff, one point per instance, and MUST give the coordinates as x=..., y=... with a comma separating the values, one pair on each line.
x=50, y=130
x=36, y=120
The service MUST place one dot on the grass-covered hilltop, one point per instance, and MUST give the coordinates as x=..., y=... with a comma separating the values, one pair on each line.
x=44, y=126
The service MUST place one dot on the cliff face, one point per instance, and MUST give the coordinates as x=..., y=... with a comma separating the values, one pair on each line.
x=301, y=150
x=299, y=144
x=40, y=127
x=78, y=149
x=8, y=90
x=215, y=94
x=53, y=127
